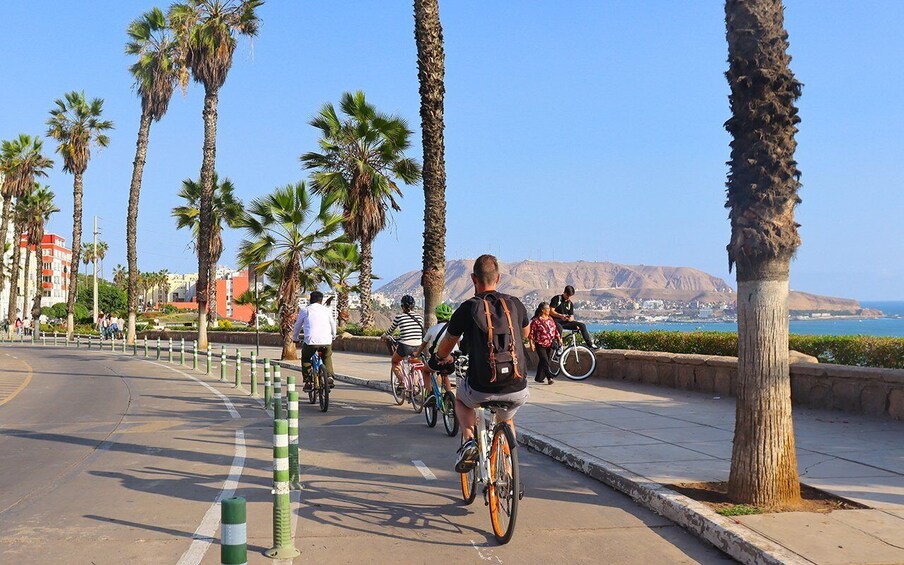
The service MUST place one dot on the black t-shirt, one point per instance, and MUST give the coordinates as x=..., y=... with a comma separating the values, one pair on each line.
x=464, y=324
x=562, y=306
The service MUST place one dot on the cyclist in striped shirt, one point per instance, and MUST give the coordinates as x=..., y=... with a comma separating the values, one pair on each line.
x=411, y=330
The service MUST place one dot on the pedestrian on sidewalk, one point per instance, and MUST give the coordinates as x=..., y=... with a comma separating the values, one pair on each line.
x=544, y=335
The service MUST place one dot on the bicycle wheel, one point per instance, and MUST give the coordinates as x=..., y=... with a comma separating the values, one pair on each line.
x=417, y=392
x=578, y=362
x=396, y=387
x=505, y=488
x=449, y=420
x=554, y=359
x=430, y=411
x=323, y=391
x=469, y=485
x=312, y=394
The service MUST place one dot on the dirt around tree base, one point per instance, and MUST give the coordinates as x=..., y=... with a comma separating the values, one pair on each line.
x=714, y=495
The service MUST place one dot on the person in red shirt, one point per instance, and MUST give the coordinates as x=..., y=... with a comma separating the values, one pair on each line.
x=543, y=335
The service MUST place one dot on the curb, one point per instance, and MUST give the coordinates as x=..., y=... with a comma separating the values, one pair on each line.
x=732, y=538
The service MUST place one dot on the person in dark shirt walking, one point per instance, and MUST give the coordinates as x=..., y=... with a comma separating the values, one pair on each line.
x=563, y=313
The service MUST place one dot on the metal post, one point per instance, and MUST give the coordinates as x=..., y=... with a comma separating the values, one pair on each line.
x=209, y=355
x=253, y=374
x=90, y=339
x=294, y=475
x=283, y=547
x=222, y=362
x=182, y=351
x=238, y=368
x=277, y=394
x=158, y=348
x=78, y=342
x=268, y=390
x=54, y=339
x=170, y=353
x=194, y=350
x=145, y=347
x=233, y=532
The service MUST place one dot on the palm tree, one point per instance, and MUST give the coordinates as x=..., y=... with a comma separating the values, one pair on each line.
x=363, y=153
x=288, y=232
x=76, y=125
x=763, y=182
x=119, y=276
x=428, y=34
x=162, y=279
x=21, y=162
x=21, y=215
x=341, y=263
x=227, y=209
x=156, y=72
x=38, y=209
x=99, y=253
x=87, y=256
x=206, y=32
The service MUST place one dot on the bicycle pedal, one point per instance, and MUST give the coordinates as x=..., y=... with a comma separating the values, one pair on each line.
x=520, y=492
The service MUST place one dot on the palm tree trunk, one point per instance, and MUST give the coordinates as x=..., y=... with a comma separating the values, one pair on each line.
x=4, y=226
x=205, y=231
x=214, y=315
x=76, y=253
x=26, y=281
x=428, y=33
x=39, y=288
x=762, y=193
x=365, y=282
x=342, y=307
x=288, y=311
x=14, y=277
x=141, y=151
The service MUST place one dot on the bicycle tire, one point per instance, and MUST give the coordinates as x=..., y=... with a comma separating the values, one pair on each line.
x=312, y=394
x=554, y=367
x=469, y=486
x=450, y=422
x=397, y=395
x=504, y=490
x=578, y=362
x=430, y=411
x=417, y=391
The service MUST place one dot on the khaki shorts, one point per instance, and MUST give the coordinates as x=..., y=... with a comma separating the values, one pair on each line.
x=473, y=398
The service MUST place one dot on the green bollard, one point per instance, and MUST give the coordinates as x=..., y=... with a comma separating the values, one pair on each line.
x=145, y=347
x=253, y=374
x=238, y=368
x=283, y=547
x=290, y=384
x=169, y=358
x=135, y=348
x=182, y=351
x=90, y=339
x=294, y=469
x=54, y=339
x=233, y=532
x=277, y=394
x=194, y=350
x=268, y=387
x=223, y=363
x=209, y=355
x=158, y=348
x=78, y=342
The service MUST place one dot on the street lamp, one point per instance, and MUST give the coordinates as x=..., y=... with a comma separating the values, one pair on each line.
x=257, y=317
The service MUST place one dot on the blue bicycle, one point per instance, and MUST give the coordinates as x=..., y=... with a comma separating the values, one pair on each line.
x=441, y=400
x=320, y=382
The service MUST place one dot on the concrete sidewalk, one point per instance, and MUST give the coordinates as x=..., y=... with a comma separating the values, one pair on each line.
x=660, y=436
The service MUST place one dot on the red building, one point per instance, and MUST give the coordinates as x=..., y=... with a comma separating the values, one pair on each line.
x=55, y=269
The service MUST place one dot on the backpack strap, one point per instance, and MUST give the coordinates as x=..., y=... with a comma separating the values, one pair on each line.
x=490, y=347
x=514, y=353
x=436, y=339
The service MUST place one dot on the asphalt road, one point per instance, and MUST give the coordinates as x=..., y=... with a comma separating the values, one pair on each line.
x=110, y=459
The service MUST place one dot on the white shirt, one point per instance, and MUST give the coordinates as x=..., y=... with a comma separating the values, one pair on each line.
x=432, y=334
x=318, y=324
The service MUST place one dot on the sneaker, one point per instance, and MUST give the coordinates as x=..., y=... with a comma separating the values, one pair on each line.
x=307, y=387
x=538, y=380
x=332, y=383
x=466, y=458
x=549, y=381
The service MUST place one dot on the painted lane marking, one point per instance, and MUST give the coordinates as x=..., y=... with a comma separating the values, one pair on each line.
x=21, y=385
x=485, y=554
x=424, y=469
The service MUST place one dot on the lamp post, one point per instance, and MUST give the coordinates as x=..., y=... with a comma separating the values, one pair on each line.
x=257, y=323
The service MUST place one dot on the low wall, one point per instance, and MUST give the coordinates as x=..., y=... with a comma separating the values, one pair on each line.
x=866, y=390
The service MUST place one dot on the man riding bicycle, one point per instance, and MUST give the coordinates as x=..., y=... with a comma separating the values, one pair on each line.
x=411, y=329
x=492, y=327
x=431, y=341
x=319, y=327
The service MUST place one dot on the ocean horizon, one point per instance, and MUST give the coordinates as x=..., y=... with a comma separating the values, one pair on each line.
x=891, y=326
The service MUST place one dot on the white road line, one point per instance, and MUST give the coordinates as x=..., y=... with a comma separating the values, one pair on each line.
x=425, y=470
x=205, y=533
x=229, y=405
x=485, y=554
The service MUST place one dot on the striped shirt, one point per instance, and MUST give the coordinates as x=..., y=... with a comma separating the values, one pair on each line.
x=410, y=326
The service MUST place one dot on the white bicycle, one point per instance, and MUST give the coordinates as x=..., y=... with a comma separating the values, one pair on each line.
x=577, y=362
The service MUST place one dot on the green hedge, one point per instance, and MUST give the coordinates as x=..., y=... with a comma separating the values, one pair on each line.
x=861, y=351
x=356, y=329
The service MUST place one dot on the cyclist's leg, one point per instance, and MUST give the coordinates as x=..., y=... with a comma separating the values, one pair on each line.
x=306, y=370
x=327, y=356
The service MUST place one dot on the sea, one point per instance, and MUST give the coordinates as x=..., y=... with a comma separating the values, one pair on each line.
x=890, y=326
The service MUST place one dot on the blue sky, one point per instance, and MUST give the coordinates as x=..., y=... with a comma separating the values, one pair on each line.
x=596, y=126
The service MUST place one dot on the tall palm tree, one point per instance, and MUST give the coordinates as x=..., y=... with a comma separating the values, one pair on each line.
x=21, y=214
x=99, y=253
x=363, y=154
x=21, y=162
x=206, y=31
x=162, y=278
x=763, y=182
x=120, y=276
x=288, y=231
x=428, y=34
x=39, y=208
x=227, y=209
x=77, y=125
x=341, y=264
x=156, y=72
x=87, y=256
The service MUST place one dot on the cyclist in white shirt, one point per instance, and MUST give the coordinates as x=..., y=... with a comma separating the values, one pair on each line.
x=319, y=327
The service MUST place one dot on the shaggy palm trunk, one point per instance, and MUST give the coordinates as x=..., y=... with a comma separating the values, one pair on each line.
x=428, y=34
x=12, y=311
x=342, y=307
x=365, y=282
x=288, y=310
x=26, y=282
x=762, y=193
x=4, y=227
x=39, y=288
x=205, y=231
x=76, y=253
x=214, y=315
x=141, y=151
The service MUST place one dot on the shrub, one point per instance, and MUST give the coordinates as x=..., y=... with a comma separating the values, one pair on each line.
x=862, y=351
x=356, y=329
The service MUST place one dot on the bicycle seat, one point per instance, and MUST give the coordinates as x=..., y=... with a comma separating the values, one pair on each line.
x=497, y=405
